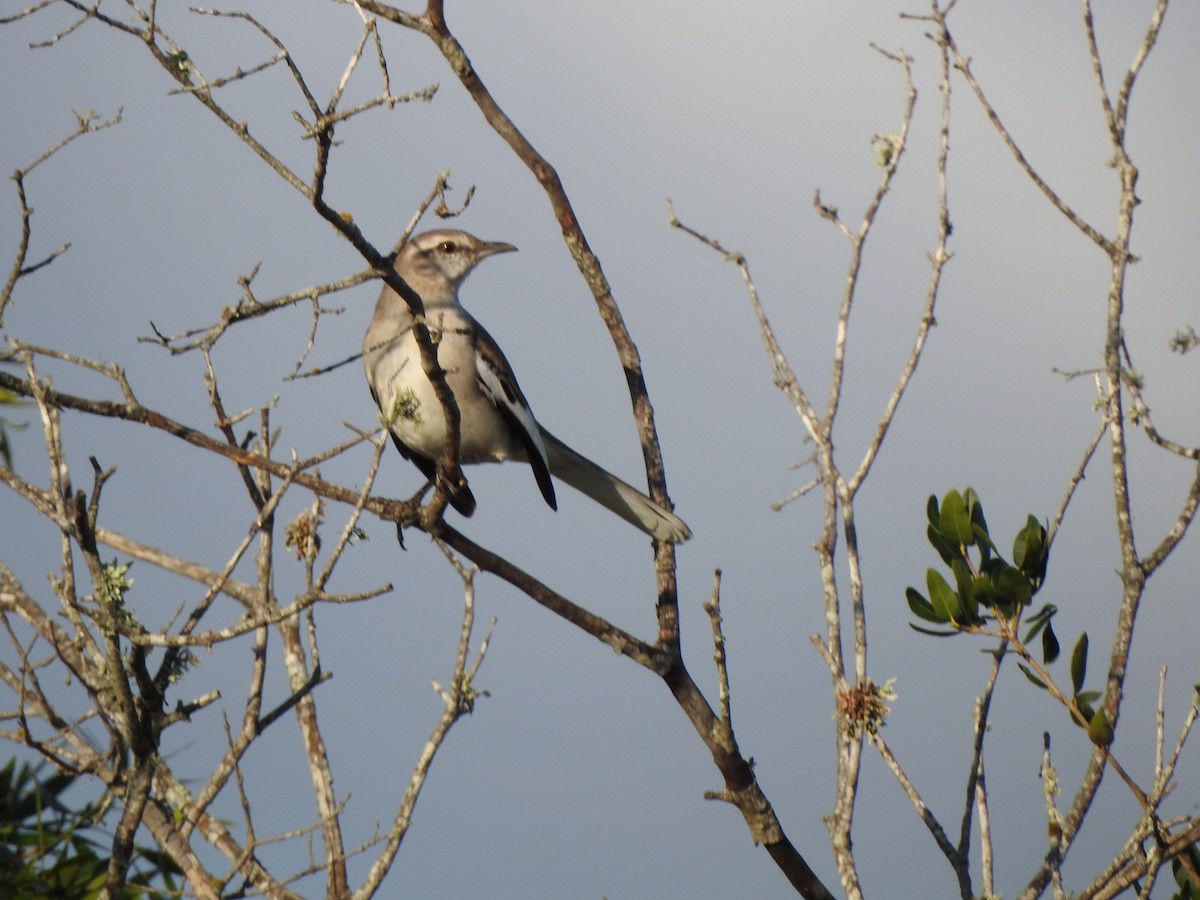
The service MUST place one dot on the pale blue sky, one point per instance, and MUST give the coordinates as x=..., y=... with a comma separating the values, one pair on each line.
x=579, y=777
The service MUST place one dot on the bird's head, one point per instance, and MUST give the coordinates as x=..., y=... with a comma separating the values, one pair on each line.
x=444, y=258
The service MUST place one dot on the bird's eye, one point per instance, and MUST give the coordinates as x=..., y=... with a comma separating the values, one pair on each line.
x=447, y=247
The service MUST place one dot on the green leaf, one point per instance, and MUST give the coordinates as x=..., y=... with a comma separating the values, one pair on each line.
x=1050, y=647
x=1084, y=701
x=922, y=608
x=942, y=596
x=1036, y=624
x=964, y=583
x=954, y=522
x=1099, y=731
x=1013, y=586
x=931, y=510
x=1030, y=551
x=983, y=541
x=962, y=576
x=930, y=631
x=1021, y=545
x=979, y=528
x=984, y=591
x=948, y=553
x=1079, y=662
x=1029, y=674
x=1085, y=709
x=1039, y=620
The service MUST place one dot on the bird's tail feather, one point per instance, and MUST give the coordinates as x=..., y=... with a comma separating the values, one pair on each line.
x=612, y=493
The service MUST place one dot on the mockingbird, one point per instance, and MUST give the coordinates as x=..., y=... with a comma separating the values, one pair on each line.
x=496, y=423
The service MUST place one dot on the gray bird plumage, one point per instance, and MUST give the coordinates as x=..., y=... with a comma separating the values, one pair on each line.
x=496, y=423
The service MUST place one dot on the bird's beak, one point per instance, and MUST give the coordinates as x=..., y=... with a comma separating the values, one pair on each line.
x=490, y=249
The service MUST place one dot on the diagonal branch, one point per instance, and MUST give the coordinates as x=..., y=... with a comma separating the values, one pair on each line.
x=433, y=25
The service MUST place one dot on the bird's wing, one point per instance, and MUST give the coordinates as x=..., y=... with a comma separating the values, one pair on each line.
x=499, y=385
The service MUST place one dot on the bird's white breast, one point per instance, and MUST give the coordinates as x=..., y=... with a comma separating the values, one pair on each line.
x=420, y=423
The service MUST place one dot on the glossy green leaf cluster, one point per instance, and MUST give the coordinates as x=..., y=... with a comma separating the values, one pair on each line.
x=987, y=587
x=49, y=848
x=983, y=581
